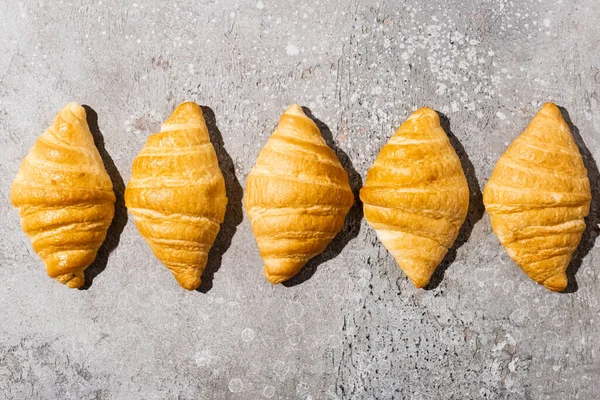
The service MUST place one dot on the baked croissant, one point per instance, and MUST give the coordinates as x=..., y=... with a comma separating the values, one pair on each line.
x=297, y=196
x=537, y=198
x=65, y=197
x=416, y=196
x=177, y=194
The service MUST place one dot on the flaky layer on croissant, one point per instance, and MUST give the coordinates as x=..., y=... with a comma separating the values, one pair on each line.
x=177, y=194
x=297, y=196
x=65, y=197
x=416, y=196
x=538, y=196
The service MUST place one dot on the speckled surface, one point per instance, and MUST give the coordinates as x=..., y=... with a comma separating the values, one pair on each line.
x=351, y=326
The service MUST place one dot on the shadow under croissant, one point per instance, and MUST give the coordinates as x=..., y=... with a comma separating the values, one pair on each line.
x=353, y=219
x=233, y=212
x=593, y=219
x=476, y=207
x=119, y=221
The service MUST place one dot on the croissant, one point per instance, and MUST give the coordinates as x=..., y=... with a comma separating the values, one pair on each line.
x=65, y=197
x=177, y=194
x=416, y=196
x=297, y=196
x=537, y=198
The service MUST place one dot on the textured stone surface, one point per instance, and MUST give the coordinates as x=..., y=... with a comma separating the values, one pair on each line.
x=351, y=326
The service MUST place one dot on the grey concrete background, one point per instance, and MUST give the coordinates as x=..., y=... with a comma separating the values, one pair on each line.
x=352, y=326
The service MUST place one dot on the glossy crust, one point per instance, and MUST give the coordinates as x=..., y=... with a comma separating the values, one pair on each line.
x=297, y=196
x=416, y=196
x=65, y=197
x=537, y=198
x=177, y=194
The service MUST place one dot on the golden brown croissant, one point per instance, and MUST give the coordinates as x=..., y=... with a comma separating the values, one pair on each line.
x=297, y=196
x=177, y=194
x=416, y=196
x=537, y=198
x=65, y=197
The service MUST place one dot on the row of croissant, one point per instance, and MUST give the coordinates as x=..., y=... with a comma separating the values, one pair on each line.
x=297, y=196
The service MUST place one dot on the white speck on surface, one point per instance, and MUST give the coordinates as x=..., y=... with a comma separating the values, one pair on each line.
x=441, y=89
x=558, y=320
x=203, y=358
x=248, y=335
x=335, y=341
x=501, y=116
x=235, y=385
x=269, y=391
x=512, y=365
x=295, y=333
x=302, y=388
x=260, y=5
x=377, y=90
x=292, y=50
x=547, y=23
x=543, y=311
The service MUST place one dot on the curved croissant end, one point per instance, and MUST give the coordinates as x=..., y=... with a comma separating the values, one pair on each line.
x=416, y=196
x=177, y=194
x=537, y=198
x=65, y=197
x=297, y=196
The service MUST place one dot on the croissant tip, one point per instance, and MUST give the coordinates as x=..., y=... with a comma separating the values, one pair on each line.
x=419, y=283
x=295, y=109
x=549, y=104
x=418, y=274
x=184, y=113
x=76, y=109
x=275, y=279
x=189, y=105
x=424, y=112
x=73, y=280
x=550, y=108
x=188, y=282
x=556, y=283
x=191, y=287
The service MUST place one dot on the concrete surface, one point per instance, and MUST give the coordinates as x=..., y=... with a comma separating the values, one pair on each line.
x=351, y=326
